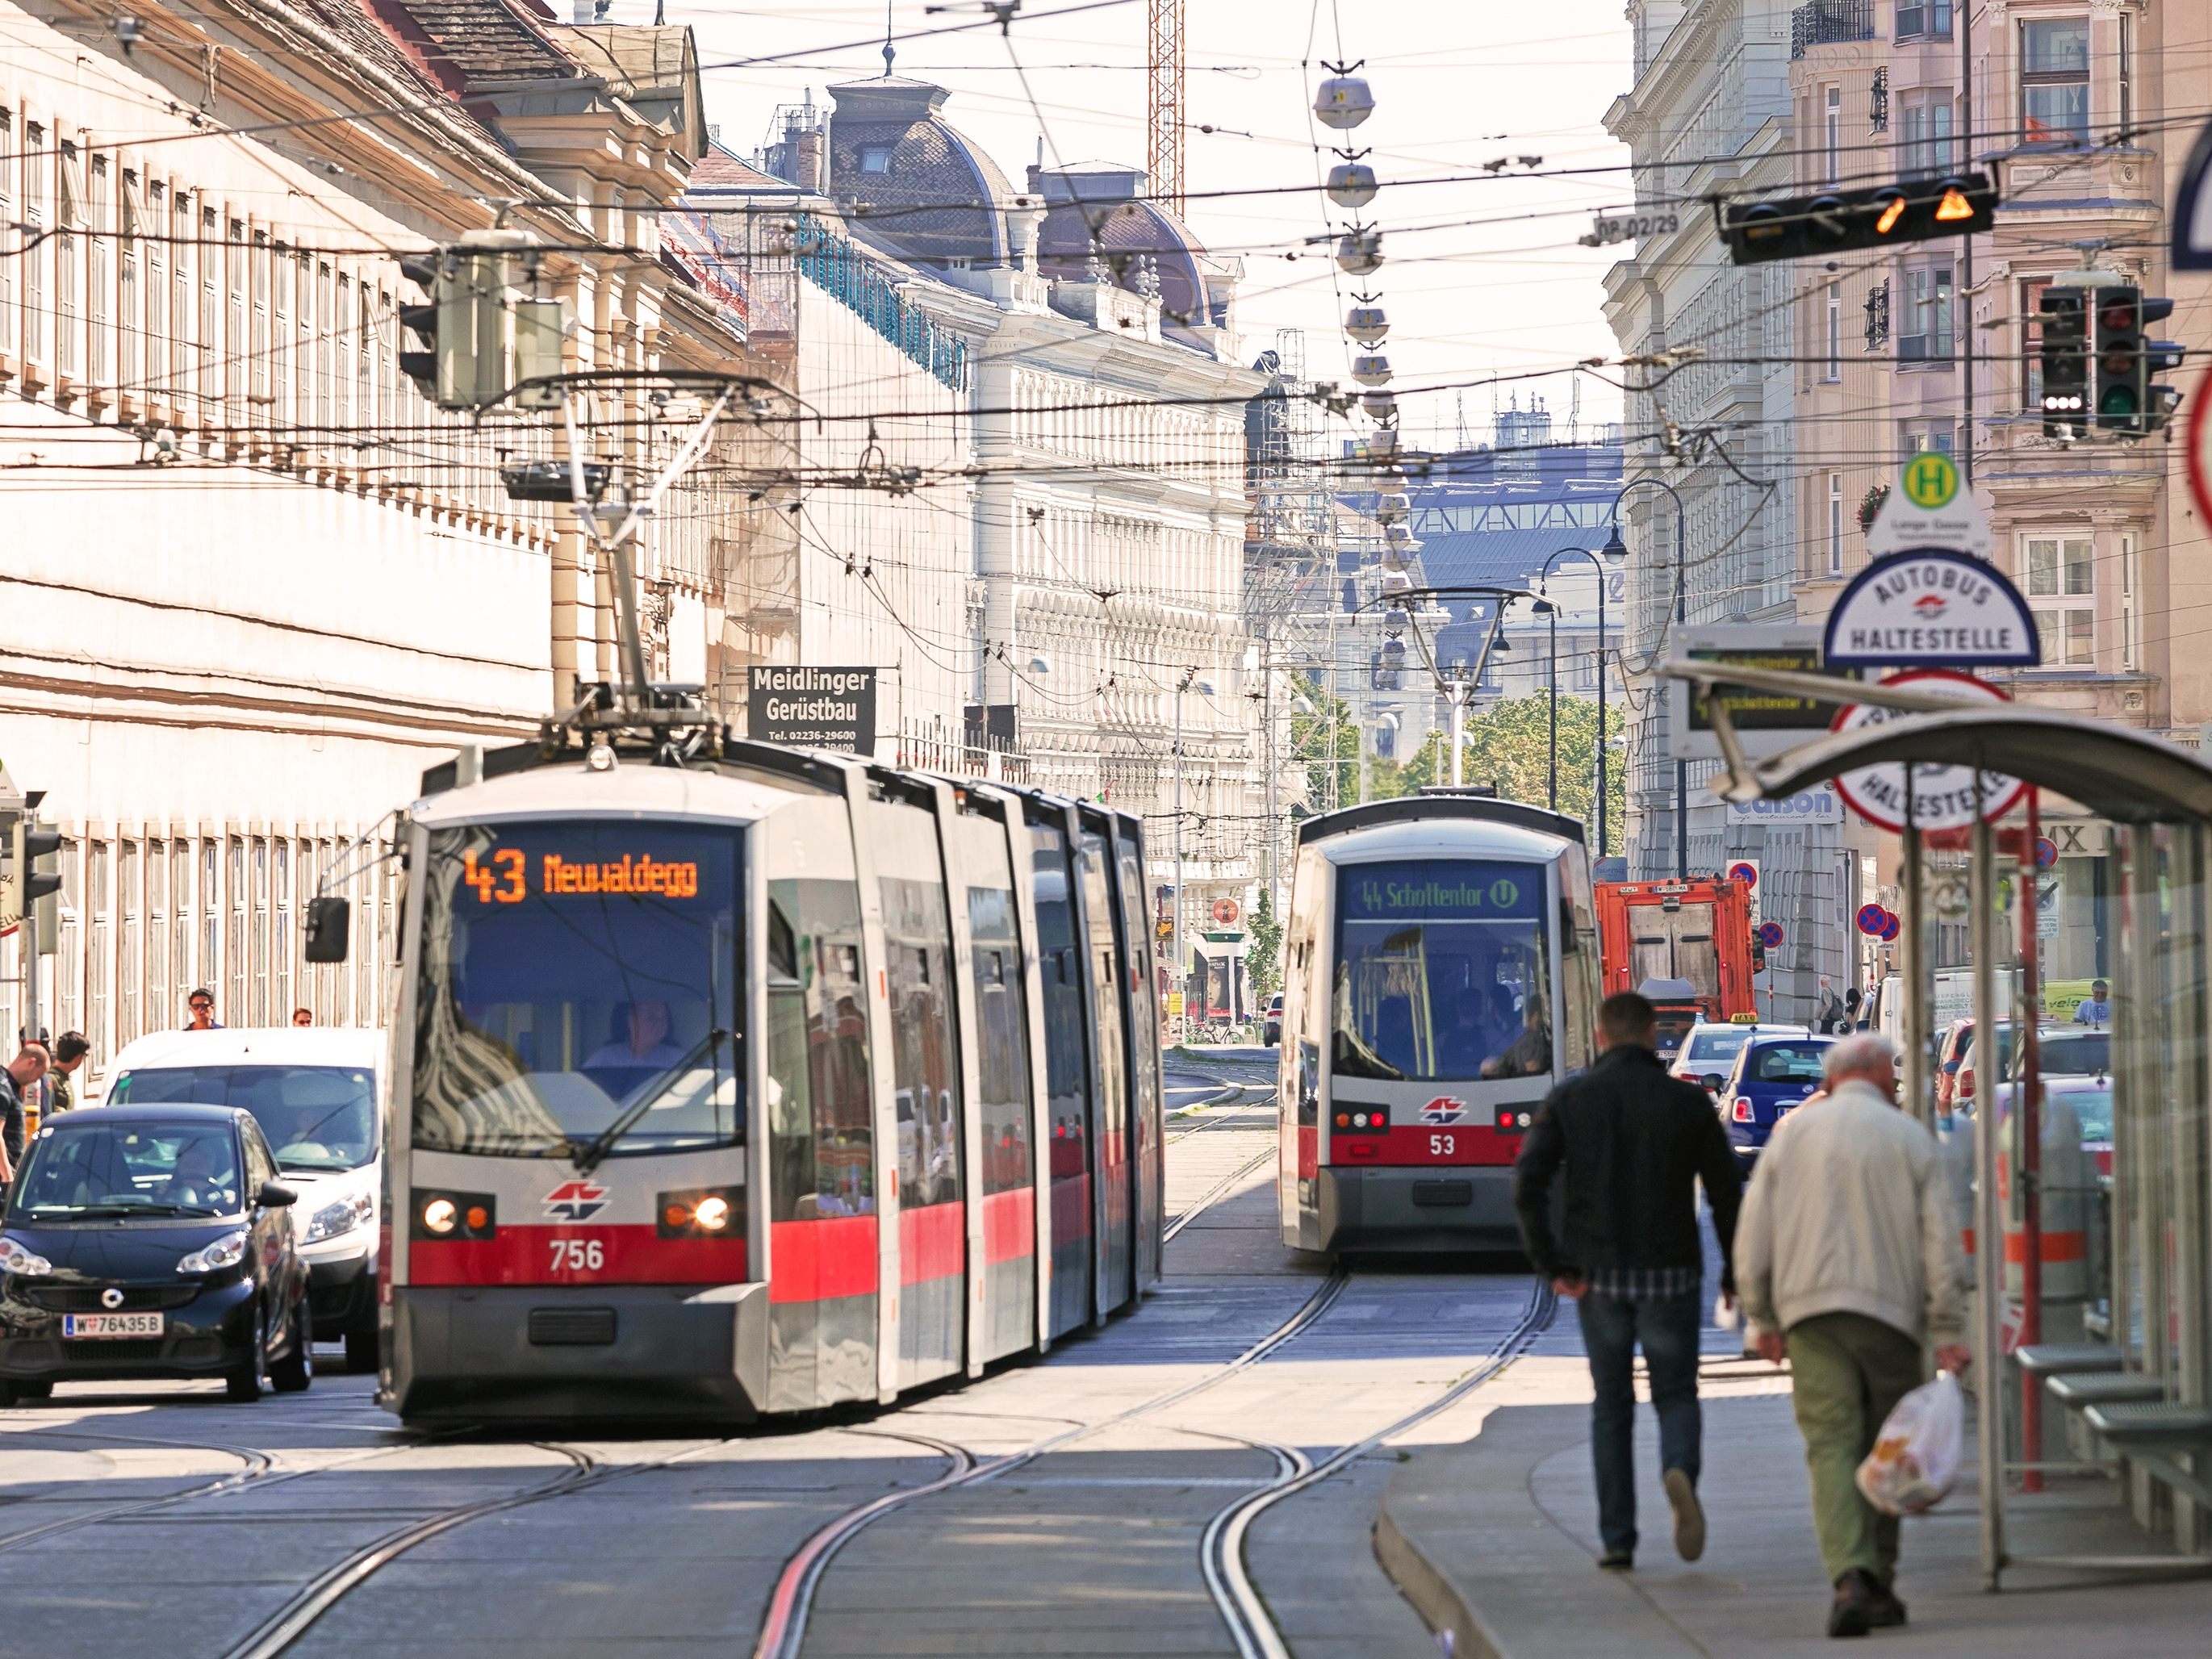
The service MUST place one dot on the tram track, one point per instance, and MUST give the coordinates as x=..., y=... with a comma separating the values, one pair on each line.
x=260, y=1466
x=1221, y=1551
x=783, y=1630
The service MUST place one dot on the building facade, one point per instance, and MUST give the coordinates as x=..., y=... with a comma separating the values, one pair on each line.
x=257, y=584
x=1714, y=417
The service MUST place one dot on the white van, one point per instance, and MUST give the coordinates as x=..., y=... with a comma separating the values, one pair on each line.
x=317, y=1093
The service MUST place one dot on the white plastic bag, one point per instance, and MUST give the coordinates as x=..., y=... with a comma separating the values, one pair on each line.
x=1915, y=1460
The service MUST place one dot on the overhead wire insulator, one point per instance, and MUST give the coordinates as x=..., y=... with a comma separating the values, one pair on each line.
x=1371, y=368
x=1393, y=507
x=1367, y=324
x=1381, y=404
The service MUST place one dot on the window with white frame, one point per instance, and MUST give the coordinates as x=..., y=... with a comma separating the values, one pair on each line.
x=1923, y=132
x=1939, y=434
x=180, y=932
x=184, y=364
x=100, y=293
x=8, y=335
x=234, y=944
x=130, y=294
x=1920, y=20
x=2060, y=583
x=100, y=961
x=1835, y=524
x=1924, y=332
x=2130, y=604
x=68, y=271
x=155, y=1013
x=69, y=958
x=280, y=931
x=257, y=931
x=210, y=379
x=1835, y=336
x=35, y=249
x=1833, y=112
x=2054, y=80
x=128, y=943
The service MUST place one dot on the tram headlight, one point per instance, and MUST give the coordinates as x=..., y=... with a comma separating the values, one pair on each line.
x=454, y=1215
x=702, y=1212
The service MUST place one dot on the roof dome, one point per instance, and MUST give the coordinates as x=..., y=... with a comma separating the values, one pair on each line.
x=890, y=150
x=1100, y=206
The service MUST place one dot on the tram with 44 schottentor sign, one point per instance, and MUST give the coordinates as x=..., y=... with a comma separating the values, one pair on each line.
x=731, y=1080
x=1441, y=974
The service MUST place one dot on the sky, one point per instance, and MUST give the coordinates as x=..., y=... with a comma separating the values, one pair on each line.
x=1482, y=278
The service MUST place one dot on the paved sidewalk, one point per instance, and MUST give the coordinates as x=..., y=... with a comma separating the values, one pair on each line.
x=1494, y=1540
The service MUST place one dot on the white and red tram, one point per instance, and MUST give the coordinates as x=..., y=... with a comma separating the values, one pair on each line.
x=1441, y=975
x=759, y=1084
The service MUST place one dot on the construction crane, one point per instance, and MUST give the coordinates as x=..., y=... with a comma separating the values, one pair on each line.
x=1163, y=116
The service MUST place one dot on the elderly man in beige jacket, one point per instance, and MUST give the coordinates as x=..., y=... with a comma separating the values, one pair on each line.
x=1848, y=1258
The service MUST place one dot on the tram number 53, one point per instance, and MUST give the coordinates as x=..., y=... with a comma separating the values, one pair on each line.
x=578, y=1255
x=1443, y=1145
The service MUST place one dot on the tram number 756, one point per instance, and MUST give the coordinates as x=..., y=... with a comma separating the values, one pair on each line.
x=1443, y=1145
x=578, y=1255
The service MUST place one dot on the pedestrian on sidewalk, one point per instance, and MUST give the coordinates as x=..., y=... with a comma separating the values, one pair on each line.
x=1849, y=1260
x=201, y=1007
x=69, y=1051
x=20, y=1074
x=1634, y=1143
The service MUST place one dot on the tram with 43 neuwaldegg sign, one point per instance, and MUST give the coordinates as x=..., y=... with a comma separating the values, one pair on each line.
x=1441, y=975
x=752, y=1081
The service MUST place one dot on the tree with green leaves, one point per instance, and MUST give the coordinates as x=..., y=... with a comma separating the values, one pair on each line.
x=1263, y=958
x=1507, y=744
x=1330, y=728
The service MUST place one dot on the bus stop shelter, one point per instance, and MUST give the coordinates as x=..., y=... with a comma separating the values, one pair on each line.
x=2135, y=1399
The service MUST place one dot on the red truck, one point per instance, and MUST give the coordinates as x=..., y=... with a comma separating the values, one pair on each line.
x=1696, y=932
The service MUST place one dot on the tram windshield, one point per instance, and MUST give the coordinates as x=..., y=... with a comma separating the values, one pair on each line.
x=1441, y=971
x=577, y=991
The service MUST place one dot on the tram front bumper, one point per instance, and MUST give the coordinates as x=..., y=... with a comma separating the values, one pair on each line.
x=1458, y=1207
x=559, y=1352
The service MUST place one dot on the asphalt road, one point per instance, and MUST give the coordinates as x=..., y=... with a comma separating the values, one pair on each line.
x=162, y=1520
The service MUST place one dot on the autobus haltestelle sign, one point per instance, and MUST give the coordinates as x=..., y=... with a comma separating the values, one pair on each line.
x=1931, y=608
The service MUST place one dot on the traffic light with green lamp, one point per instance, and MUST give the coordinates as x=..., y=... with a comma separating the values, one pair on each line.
x=2120, y=373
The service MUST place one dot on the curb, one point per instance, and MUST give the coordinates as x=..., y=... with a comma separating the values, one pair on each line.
x=1460, y=1631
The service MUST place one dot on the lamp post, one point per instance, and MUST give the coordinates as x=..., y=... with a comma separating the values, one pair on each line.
x=1614, y=548
x=1543, y=572
x=1181, y=973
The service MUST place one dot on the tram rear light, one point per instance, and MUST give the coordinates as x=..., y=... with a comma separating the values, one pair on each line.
x=1344, y=1119
x=676, y=1215
x=478, y=1217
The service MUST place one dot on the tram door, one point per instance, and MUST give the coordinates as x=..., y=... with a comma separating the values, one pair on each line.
x=820, y=1163
x=1061, y=960
x=1006, y=1169
x=1116, y=1262
x=1149, y=1163
x=927, y=1184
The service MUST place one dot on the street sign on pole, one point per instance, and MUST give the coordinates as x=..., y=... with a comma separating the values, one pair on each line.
x=1765, y=724
x=1930, y=507
x=1931, y=607
x=1870, y=918
x=1942, y=796
x=1771, y=935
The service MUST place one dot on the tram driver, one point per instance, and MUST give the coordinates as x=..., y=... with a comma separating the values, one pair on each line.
x=644, y=1045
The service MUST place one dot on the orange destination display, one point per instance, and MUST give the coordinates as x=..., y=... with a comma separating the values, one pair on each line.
x=504, y=877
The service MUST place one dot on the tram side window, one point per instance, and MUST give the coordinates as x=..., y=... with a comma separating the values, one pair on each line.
x=1098, y=904
x=1442, y=971
x=1003, y=1093
x=1059, y=963
x=820, y=1111
x=925, y=1073
x=1581, y=973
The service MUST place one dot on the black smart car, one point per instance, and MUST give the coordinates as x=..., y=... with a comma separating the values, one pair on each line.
x=151, y=1242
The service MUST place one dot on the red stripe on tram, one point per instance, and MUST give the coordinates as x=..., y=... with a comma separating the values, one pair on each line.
x=1009, y=1226
x=635, y=1255
x=821, y=1260
x=932, y=1242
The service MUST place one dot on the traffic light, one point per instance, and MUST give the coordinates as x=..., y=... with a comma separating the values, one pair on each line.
x=32, y=870
x=1838, y=221
x=2119, y=372
x=1758, y=952
x=468, y=323
x=2064, y=360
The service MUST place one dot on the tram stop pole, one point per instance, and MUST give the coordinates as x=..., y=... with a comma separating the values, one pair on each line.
x=1988, y=1221
x=1913, y=980
x=2026, y=1114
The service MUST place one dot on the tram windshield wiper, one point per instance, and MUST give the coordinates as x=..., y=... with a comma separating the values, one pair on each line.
x=595, y=1152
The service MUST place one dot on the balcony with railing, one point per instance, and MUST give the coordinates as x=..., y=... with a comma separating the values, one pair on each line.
x=1827, y=22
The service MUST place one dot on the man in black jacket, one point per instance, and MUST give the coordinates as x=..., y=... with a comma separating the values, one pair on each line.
x=1634, y=1143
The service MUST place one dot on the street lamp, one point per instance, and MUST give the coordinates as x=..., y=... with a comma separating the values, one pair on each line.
x=1182, y=976
x=1614, y=548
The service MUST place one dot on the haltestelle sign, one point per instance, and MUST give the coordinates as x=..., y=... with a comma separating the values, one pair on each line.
x=1928, y=607
x=1938, y=796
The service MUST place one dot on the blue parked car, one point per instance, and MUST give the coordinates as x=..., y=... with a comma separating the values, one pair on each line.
x=1771, y=1075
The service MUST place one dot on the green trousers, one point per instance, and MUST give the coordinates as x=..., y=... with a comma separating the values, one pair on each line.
x=1846, y=1373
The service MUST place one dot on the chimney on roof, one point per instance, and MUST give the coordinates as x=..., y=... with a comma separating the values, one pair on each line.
x=806, y=153
x=585, y=12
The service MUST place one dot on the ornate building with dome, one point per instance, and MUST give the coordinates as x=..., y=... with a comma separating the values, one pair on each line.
x=1059, y=587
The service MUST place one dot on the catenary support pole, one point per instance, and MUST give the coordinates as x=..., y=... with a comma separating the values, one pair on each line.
x=1989, y=1219
x=1913, y=980
x=2028, y=1116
